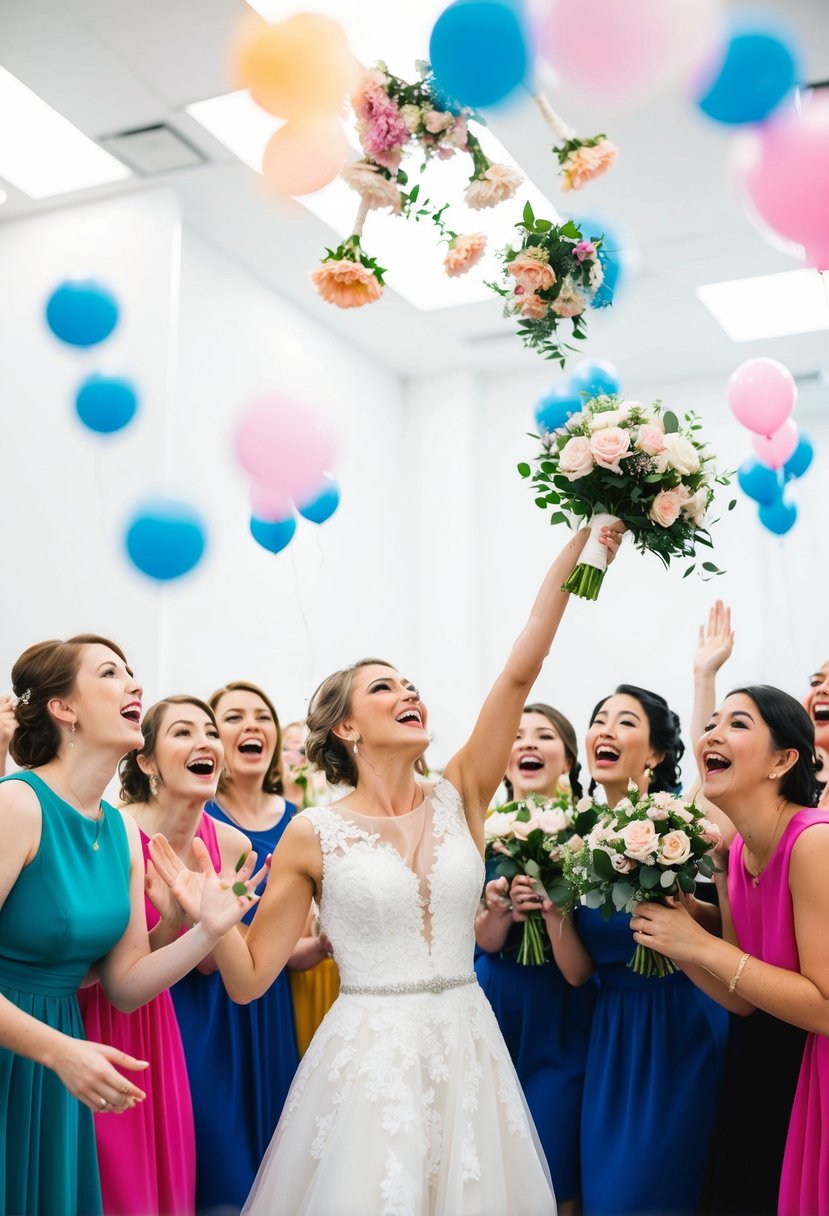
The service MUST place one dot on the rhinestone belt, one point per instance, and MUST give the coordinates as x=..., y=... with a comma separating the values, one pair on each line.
x=438, y=983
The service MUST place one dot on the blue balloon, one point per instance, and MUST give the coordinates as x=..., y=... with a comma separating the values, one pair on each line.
x=611, y=257
x=321, y=508
x=81, y=312
x=479, y=52
x=759, y=67
x=165, y=538
x=759, y=482
x=272, y=535
x=595, y=378
x=778, y=517
x=556, y=406
x=800, y=460
x=106, y=403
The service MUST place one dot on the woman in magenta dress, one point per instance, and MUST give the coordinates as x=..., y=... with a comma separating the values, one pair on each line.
x=757, y=757
x=147, y=1156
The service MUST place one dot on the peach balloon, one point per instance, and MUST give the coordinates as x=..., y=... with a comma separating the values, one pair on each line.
x=294, y=68
x=305, y=155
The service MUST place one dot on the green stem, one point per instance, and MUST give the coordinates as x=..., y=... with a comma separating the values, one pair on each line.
x=647, y=962
x=585, y=582
x=531, y=950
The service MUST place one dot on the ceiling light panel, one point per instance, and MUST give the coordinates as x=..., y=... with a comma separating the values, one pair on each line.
x=769, y=305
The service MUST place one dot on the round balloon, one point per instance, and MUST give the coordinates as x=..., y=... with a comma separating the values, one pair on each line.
x=305, y=154
x=165, y=538
x=800, y=460
x=106, y=403
x=762, y=395
x=758, y=481
x=479, y=52
x=556, y=406
x=323, y=506
x=595, y=378
x=272, y=534
x=779, y=517
x=774, y=450
x=284, y=446
x=750, y=75
x=81, y=312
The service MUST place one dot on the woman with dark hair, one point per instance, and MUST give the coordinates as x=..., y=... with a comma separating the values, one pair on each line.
x=656, y=1045
x=757, y=756
x=72, y=898
x=225, y=1042
x=407, y=1100
x=544, y=1020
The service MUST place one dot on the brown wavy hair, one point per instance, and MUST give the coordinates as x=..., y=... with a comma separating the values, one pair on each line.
x=135, y=784
x=272, y=781
x=566, y=732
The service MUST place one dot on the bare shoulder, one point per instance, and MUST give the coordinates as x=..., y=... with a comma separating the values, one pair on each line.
x=233, y=844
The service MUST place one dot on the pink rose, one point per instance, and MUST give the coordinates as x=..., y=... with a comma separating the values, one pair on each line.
x=553, y=821
x=576, y=459
x=531, y=273
x=710, y=831
x=650, y=440
x=522, y=828
x=609, y=447
x=640, y=839
x=665, y=508
x=657, y=812
x=674, y=848
x=584, y=250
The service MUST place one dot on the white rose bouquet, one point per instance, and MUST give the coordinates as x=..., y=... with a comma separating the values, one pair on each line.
x=621, y=460
x=647, y=847
x=529, y=837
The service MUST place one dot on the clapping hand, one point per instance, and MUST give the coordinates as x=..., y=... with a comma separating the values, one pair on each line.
x=208, y=898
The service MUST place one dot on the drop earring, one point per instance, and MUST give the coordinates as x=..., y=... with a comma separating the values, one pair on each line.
x=72, y=736
x=355, y=739
x=153, y=785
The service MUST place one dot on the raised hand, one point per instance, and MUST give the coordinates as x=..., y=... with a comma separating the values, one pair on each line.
x=88, y=1071
x=163, y=899
x=716, y=641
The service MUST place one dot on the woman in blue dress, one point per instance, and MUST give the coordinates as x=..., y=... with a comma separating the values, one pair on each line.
x=656, y=1052
x=241, y=1059
x=544, y=1020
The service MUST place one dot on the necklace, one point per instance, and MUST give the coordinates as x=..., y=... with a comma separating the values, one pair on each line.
x=755, y=876
x=99, y=818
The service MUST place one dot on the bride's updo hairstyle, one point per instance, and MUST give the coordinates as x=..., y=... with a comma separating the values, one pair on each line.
x=329, y=706
x=43, y=672
x=665, y=736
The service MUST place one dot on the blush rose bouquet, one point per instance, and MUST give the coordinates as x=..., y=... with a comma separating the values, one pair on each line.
x=529, y=837
x=622, y=460
x=647, y=847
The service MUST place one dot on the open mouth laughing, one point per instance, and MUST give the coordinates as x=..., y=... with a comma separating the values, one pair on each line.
x=251, y=747
x=202, y=766
x=715, y=762
x=530, y=764
x=132, y=712
x=409, y=717
x=605, y=754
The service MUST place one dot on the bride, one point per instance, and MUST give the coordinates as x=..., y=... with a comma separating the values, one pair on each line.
x=406, y=1102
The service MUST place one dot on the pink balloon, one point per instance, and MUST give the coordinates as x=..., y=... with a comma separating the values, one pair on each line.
x=784, y=167
x=774, y=450
x=762, y=395
x=269, y=505
x=284, y=447
x=616, y=51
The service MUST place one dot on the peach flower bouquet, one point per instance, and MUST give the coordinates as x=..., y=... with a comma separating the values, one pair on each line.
x=648, y=847
x=621, y=460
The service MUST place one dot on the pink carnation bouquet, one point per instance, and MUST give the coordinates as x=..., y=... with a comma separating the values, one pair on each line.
x=529, y=837
x=621, y=460
x=648, y=847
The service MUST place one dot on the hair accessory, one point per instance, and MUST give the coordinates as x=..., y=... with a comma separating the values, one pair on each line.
x=153, y=780
x=26, y=698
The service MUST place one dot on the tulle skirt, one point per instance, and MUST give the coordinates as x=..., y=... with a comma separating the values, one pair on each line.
x=405, y=1105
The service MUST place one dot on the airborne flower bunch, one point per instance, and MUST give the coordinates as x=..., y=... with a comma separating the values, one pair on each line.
x=529, y=837
x=621, y=460
x=648, y=847
x=552, y=275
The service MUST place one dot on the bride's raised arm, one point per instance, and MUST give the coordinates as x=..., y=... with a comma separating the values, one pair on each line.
x=478, y=768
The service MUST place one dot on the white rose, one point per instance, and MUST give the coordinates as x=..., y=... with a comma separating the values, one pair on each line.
x=679, y=454
x=576, y=458
x=640, y=839
x=679, y=810
x=498, y=823
x=606, y=418
x=584, y=804
x=553, y=820
x=674, y=848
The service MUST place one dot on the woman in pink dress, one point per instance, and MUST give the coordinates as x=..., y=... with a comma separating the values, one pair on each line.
x=758, y=764
x=147, y=1155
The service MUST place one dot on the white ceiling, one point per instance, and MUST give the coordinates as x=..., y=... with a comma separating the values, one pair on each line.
x=115, y=65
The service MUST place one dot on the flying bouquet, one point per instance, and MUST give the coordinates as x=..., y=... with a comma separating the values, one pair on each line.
x=646, y=848
x=529, y=837
x=550, y=277
x=621, y=460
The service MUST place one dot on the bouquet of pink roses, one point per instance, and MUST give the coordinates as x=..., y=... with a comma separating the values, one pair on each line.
x=529, y=837
x=621, y=460
x=647, y=847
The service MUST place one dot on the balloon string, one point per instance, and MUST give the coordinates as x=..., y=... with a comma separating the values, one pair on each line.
x=309, y=637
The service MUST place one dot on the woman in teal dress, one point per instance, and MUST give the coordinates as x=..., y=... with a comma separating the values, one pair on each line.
x=657, y=1046
x=72, y=897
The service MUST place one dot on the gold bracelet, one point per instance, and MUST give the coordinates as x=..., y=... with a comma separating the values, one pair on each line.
x=738, y=973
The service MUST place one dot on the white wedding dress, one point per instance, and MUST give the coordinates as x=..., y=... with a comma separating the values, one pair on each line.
x=406, y=1102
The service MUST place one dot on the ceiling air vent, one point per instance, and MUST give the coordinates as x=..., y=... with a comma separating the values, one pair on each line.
x=152, y=150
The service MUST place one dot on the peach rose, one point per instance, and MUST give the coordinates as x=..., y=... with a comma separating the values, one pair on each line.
x=531, y=272
x=498, y=823
x=576, y=460
x=585, y=163
x=665, y=508
x=621, y=864
x=650, y=440
x=522, y=827
x=640, y=839
x=657, y=813
x=674, y=848
x=494, y=186
x=533, y=307
x=681, y=813
x=458, y=135
x=678, y=453
x=570, y=302
x=609, y=447
x=464, y=253
x=553, y=820
x=373, y=186
x=347, y=284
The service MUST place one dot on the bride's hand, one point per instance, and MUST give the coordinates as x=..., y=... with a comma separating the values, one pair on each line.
x=611, y=536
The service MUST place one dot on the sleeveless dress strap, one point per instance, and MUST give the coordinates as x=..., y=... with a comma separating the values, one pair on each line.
x=206, y=832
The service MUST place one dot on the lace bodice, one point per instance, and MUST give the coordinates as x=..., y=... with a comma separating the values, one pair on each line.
x=399, y=895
